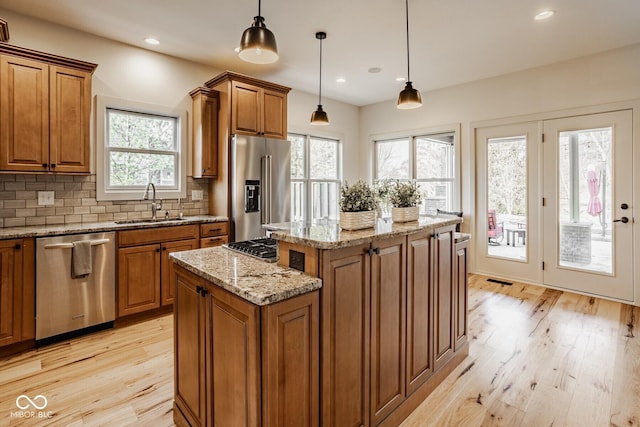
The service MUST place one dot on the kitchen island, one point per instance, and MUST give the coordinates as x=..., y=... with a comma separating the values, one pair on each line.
x=387, y=325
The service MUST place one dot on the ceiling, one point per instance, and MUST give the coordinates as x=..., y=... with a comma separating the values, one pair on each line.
x=452, y=42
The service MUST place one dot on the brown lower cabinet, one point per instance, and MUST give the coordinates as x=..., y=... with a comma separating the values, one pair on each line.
x=145, y=272
x=391, y=313
x=17, y=291
x=238, y=364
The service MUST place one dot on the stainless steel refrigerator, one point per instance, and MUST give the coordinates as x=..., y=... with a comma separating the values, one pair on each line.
x=261, y=184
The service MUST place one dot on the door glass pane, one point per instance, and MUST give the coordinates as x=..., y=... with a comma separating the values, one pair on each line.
x=507, y=197
x=585, y=196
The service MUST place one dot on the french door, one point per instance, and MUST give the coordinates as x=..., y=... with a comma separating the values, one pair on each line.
x=588, y=212
x=558, y=212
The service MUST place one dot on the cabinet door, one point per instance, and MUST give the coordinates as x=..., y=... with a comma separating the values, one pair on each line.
x=168, y=279
x=138, y=279
x=290, y=358
x=461, y=300
x=205, y=134
x=274, y=114
x=444, y=297
x=10, y=291
x=189, y=317
x=246, y=111
x=24, y=115
x=419, y=310
x=234, y=361
x=387, y=326
x=70, y=111
x=345, y=296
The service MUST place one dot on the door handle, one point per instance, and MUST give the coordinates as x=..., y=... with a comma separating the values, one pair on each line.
x=623, y=220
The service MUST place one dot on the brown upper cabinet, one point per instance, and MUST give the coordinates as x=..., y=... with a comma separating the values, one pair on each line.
x=45, y=108
x=205, y=132
x=251, y=106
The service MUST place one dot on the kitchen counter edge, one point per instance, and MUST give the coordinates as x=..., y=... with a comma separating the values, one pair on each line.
x=257, y=281
x=96, y=227
x=330, y=236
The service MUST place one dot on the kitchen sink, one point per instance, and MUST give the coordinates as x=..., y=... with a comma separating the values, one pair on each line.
x=148, y=221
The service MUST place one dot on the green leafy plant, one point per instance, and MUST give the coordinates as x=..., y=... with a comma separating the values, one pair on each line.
x=405, y=195
x=357, y=197
x=383, y=188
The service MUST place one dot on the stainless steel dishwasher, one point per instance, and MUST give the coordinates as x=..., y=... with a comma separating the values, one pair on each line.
x=67, y=306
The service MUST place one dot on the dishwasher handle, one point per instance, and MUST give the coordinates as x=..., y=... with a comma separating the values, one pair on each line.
x=70, y=245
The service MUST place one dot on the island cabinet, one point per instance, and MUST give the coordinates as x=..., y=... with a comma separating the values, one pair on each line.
x=45, y=108
x=392, y=320
x=462, y=297
x=241, y=364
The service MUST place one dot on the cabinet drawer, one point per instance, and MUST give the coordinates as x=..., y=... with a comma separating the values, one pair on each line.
x=157, y=235
x=209, y=242
x=214, y=229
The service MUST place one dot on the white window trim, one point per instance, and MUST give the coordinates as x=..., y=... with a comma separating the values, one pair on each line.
x=454, y=128
x=102, y=104
x=307, y=181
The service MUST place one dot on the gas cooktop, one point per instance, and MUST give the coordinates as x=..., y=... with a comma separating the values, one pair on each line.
x=263, y=248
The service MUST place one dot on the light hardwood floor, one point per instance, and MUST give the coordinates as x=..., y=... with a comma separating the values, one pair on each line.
x=538, y=357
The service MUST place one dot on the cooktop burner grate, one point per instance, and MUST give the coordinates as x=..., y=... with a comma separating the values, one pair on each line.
x=263, y=248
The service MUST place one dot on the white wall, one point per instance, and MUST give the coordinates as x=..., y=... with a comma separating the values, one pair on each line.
x=141, y=75
x=599, y=79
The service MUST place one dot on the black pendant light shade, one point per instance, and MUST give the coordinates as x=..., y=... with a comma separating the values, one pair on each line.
x=258, y=44
x=409, y=97
x=319, y=117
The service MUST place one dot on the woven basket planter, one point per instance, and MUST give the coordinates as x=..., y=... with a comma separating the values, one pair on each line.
x=405, y=214
x=357, y=220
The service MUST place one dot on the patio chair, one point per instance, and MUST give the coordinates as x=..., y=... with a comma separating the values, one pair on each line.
x=495, y=231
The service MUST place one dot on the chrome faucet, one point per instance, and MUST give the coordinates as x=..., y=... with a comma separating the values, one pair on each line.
x=155, y=207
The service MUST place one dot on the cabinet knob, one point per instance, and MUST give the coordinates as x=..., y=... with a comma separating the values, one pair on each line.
x=53, y=165
x=18, y=246
x=157, y=249
x=45, y=165
x=164, y=248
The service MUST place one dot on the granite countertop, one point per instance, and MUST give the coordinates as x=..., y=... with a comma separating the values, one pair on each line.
x=330, y=236
x=257, y=281
x=91, y=227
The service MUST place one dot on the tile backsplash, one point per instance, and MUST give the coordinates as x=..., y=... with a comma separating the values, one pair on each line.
x=75, y=201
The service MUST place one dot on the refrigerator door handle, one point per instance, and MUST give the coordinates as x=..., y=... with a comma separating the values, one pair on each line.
x=268, y=184
x=265, y=181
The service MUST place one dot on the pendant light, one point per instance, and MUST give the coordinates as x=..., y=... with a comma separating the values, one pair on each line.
x=319, y=117
x=409, y=97
x=258, y=44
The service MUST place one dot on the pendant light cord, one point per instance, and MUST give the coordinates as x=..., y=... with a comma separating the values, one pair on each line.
x=408, y=68
x=320, y=79
x=259, y=9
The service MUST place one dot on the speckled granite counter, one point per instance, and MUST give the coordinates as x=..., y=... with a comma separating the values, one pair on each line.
x=256, y=281
x=91, y=227
x=330, y=236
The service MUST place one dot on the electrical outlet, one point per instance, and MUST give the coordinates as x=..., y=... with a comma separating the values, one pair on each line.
x=45, y=198
x=197, y=195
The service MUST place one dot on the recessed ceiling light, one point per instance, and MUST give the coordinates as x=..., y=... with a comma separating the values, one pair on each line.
x=545, y=14
x=374, y=70
x=341, y=80
x=151, y=40
x=400, y=79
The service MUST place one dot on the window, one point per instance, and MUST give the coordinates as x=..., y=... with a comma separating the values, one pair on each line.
x=138, y=144
x=427, y=159
x=315, y=177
